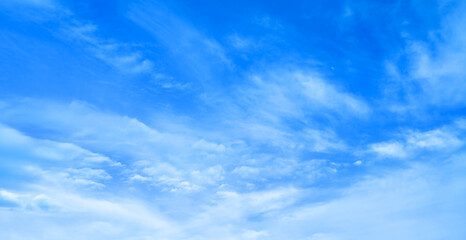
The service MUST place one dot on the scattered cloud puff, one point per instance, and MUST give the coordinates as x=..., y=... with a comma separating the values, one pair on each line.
x=301, y=172
x=389, y=149
x=171, y=179
x=358, y=162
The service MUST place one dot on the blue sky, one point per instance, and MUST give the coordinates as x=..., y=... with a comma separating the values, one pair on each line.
x=199, y=120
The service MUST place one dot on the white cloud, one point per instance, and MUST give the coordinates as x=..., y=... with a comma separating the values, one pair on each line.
x=20, y=145
x=72, y=213
x=389, y=149
x=251, y=234
x=232, y=206
x=89, y=173
x=176, y=180
x=246, y=171
x=126, y=58
x=34, y=202
x=9, y=196
x=111, y=52
x=211, y=175
x=296, y=94
x=436, y=65
x=196, y=54
x=82, y=124
x=443, y=140
x=323, y=141
x=437, y=138
x=325, y=94
x=209, y=146
x=138, y=177
x=168, y=160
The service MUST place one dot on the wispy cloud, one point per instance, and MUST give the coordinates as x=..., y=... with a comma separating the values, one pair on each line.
x=267, y=109
x=389, y=149
x=88, y=217
x=16, y=143
x=297, y=93
x=111, y=52
x=196, y=54
x=446, y=138
x=434, y=76
x=122, y=56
